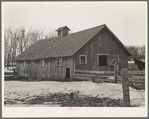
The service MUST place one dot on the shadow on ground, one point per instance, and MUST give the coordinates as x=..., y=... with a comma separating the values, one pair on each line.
x=66, y=100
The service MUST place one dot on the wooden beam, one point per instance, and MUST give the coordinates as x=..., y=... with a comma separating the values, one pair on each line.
x=85, y=75
x=115, y=72
x=94, y=72
x=125, y=86
x=109, y=72
x=136, y=72
x=88, y=71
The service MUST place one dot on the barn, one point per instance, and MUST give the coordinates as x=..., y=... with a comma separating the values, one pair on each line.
x=93, y=49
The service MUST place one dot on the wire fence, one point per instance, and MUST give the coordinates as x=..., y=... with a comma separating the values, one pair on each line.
x=136, y=80
x=136, y=99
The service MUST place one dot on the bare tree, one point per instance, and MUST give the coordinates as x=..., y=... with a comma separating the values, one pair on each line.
x=137, y=51
x=11, y=44
x=19, y=40
x=51, y=35
x=6, y=47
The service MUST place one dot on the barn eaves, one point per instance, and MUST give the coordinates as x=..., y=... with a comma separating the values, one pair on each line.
x=64, y=46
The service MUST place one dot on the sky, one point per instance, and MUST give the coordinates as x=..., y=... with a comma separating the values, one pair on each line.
x=127, y=20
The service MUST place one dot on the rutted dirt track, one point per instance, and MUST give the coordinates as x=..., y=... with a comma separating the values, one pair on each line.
x=20, y=93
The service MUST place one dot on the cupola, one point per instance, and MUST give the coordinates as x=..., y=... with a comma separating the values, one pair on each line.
x=63, y=31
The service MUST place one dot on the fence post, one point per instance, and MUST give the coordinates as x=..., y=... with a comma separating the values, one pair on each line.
x=115, y=72
x=74, y=68
x=125, y=86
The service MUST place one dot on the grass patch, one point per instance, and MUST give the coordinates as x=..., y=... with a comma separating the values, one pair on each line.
x=79, y=100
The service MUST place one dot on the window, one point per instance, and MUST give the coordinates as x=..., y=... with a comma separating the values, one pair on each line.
x=24, y=63
x=42, y=63
x=83, y=59
x=32, y=63
x=102, y=59
x=59, y=62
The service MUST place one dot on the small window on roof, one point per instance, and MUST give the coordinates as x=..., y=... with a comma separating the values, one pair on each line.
x=59, y=62
x=83, y=59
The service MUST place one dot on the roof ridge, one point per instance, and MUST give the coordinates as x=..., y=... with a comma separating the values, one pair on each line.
x=74, y=32
x=62, y=46
x=87, y=29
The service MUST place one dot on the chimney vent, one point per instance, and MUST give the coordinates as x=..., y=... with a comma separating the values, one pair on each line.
x=63, y=31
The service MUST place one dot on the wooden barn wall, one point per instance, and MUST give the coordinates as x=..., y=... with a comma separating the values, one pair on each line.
x=102, y=43
x=49, y=71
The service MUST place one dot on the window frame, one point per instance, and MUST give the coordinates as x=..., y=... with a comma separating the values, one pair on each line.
x=42, y=63
x=59, y=61
x=85, y=59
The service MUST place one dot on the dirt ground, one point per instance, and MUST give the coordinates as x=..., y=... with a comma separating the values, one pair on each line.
x=14, y=90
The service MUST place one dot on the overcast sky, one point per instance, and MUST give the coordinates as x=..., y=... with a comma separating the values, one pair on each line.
x=128, y=20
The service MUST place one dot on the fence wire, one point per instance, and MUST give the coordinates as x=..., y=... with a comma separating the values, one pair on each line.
x=138, y=87
x=139, y=102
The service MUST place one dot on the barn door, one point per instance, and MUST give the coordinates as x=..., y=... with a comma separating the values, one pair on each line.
x=102, y=62
x=67, y=72
x=112, y=59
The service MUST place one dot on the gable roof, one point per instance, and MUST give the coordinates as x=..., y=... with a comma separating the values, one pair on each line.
x=60, y=46
x=62, y=28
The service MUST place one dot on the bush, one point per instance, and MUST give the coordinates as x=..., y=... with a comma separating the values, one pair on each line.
x=132, y=67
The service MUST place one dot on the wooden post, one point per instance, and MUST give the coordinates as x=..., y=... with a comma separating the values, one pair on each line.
x=117, y=69
x=74, y=66
x=115, y=72
x=73, y=70
x=14, y=72
x=125, y=86
x=71, y=96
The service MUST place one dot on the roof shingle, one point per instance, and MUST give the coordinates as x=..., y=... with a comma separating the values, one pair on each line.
x=60, y=46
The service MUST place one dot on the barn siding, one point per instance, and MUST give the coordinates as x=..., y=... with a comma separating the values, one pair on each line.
x=49, y=71
x=102, y=43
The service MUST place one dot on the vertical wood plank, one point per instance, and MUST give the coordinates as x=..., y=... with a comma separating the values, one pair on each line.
x=115, y=72
x=125, y=86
